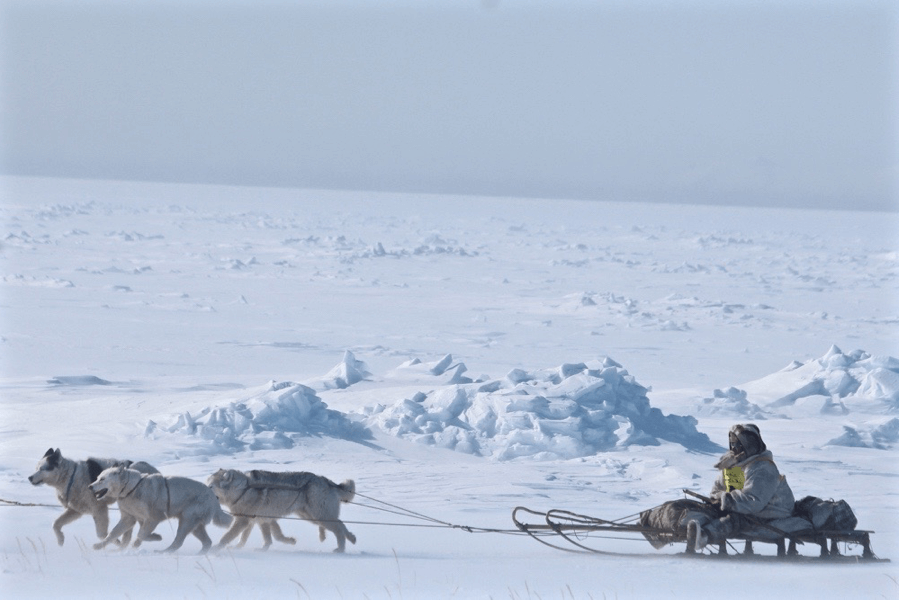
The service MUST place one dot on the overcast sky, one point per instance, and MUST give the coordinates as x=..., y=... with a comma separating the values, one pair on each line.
x=765, y=102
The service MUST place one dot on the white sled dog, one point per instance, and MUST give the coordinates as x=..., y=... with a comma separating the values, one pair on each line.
x=71, y=479
x=270, y=495
x=151, y=499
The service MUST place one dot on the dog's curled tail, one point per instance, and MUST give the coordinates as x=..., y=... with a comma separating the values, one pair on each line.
x=347, y=490
x=221, y=518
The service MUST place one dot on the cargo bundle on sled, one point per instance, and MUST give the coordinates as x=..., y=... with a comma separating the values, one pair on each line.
x=826, y=523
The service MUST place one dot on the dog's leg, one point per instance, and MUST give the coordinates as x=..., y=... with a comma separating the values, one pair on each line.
x=185, y=526
x=279, y=535
x=245, y=535
x=125, y=539
x=64, y=519
x=145, y=533
x=239, y=524
x=266, y=528
x=101, y=521
x=200, y=533
x=340, y=532
x=125, y=524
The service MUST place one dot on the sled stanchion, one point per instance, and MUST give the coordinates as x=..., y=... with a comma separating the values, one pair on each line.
x=866, y=546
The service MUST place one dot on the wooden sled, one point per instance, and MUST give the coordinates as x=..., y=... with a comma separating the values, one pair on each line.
x=572, y=532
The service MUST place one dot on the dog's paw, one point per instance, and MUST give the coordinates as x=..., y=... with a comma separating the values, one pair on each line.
x=98, y=545
x=290, y=540
x=60, y=538
x=351, y=537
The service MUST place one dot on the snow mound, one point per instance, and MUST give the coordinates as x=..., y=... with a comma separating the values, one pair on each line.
x=346, y=373
x=272, y=419
x=571, y=411
x=445, y=371
x=78, y=380
x=731, y=402
x=881, y=436
x=836, y=383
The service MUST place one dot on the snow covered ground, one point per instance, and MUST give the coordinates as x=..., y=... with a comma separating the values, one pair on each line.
x=455, y=356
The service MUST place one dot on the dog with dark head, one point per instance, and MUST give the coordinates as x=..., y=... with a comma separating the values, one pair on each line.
x=71, y=479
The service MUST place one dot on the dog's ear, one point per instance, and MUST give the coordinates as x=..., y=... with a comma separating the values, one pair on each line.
x=93, y=469
x=53, y=458
x=48, y=453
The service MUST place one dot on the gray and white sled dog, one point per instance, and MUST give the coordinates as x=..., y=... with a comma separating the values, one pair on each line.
x=151, y=499
x=271, y=495
x=71, y=479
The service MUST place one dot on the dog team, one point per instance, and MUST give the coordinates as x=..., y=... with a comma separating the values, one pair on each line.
x=146, y=498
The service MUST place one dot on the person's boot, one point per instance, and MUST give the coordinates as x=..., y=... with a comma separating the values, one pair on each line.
x=696, y=537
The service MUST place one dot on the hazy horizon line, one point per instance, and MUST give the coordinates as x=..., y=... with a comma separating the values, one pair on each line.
x=761, y=203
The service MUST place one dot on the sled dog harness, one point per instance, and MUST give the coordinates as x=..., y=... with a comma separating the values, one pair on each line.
x=65, y=501
x=168, y=493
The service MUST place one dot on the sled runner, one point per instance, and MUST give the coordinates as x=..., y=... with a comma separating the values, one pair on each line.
x=572, y=532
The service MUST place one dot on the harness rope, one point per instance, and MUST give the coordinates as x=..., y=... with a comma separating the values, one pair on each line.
x=16, y=503
x=430, y=522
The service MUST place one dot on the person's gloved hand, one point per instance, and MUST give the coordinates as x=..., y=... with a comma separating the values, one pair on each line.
x=728, y=504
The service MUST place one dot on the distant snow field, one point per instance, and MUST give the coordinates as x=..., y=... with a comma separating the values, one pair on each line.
x=457, y=357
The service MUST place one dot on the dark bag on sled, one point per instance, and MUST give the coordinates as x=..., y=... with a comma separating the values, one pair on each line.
x=828, y=515
x=669, y=520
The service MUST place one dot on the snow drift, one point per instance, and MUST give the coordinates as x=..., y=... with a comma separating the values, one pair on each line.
x=731, y=402
x=570, y=411
x=273, y=418
x=881, y=436
x=836, y=383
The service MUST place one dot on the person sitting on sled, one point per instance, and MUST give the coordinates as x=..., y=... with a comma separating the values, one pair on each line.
x=749, y=489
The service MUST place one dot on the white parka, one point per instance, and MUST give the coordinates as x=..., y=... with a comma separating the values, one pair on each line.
x=765, y=494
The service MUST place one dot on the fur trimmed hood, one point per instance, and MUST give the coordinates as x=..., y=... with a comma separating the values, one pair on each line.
x=745, y=441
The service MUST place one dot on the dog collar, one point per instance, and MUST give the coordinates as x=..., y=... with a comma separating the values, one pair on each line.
x=129, y=492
